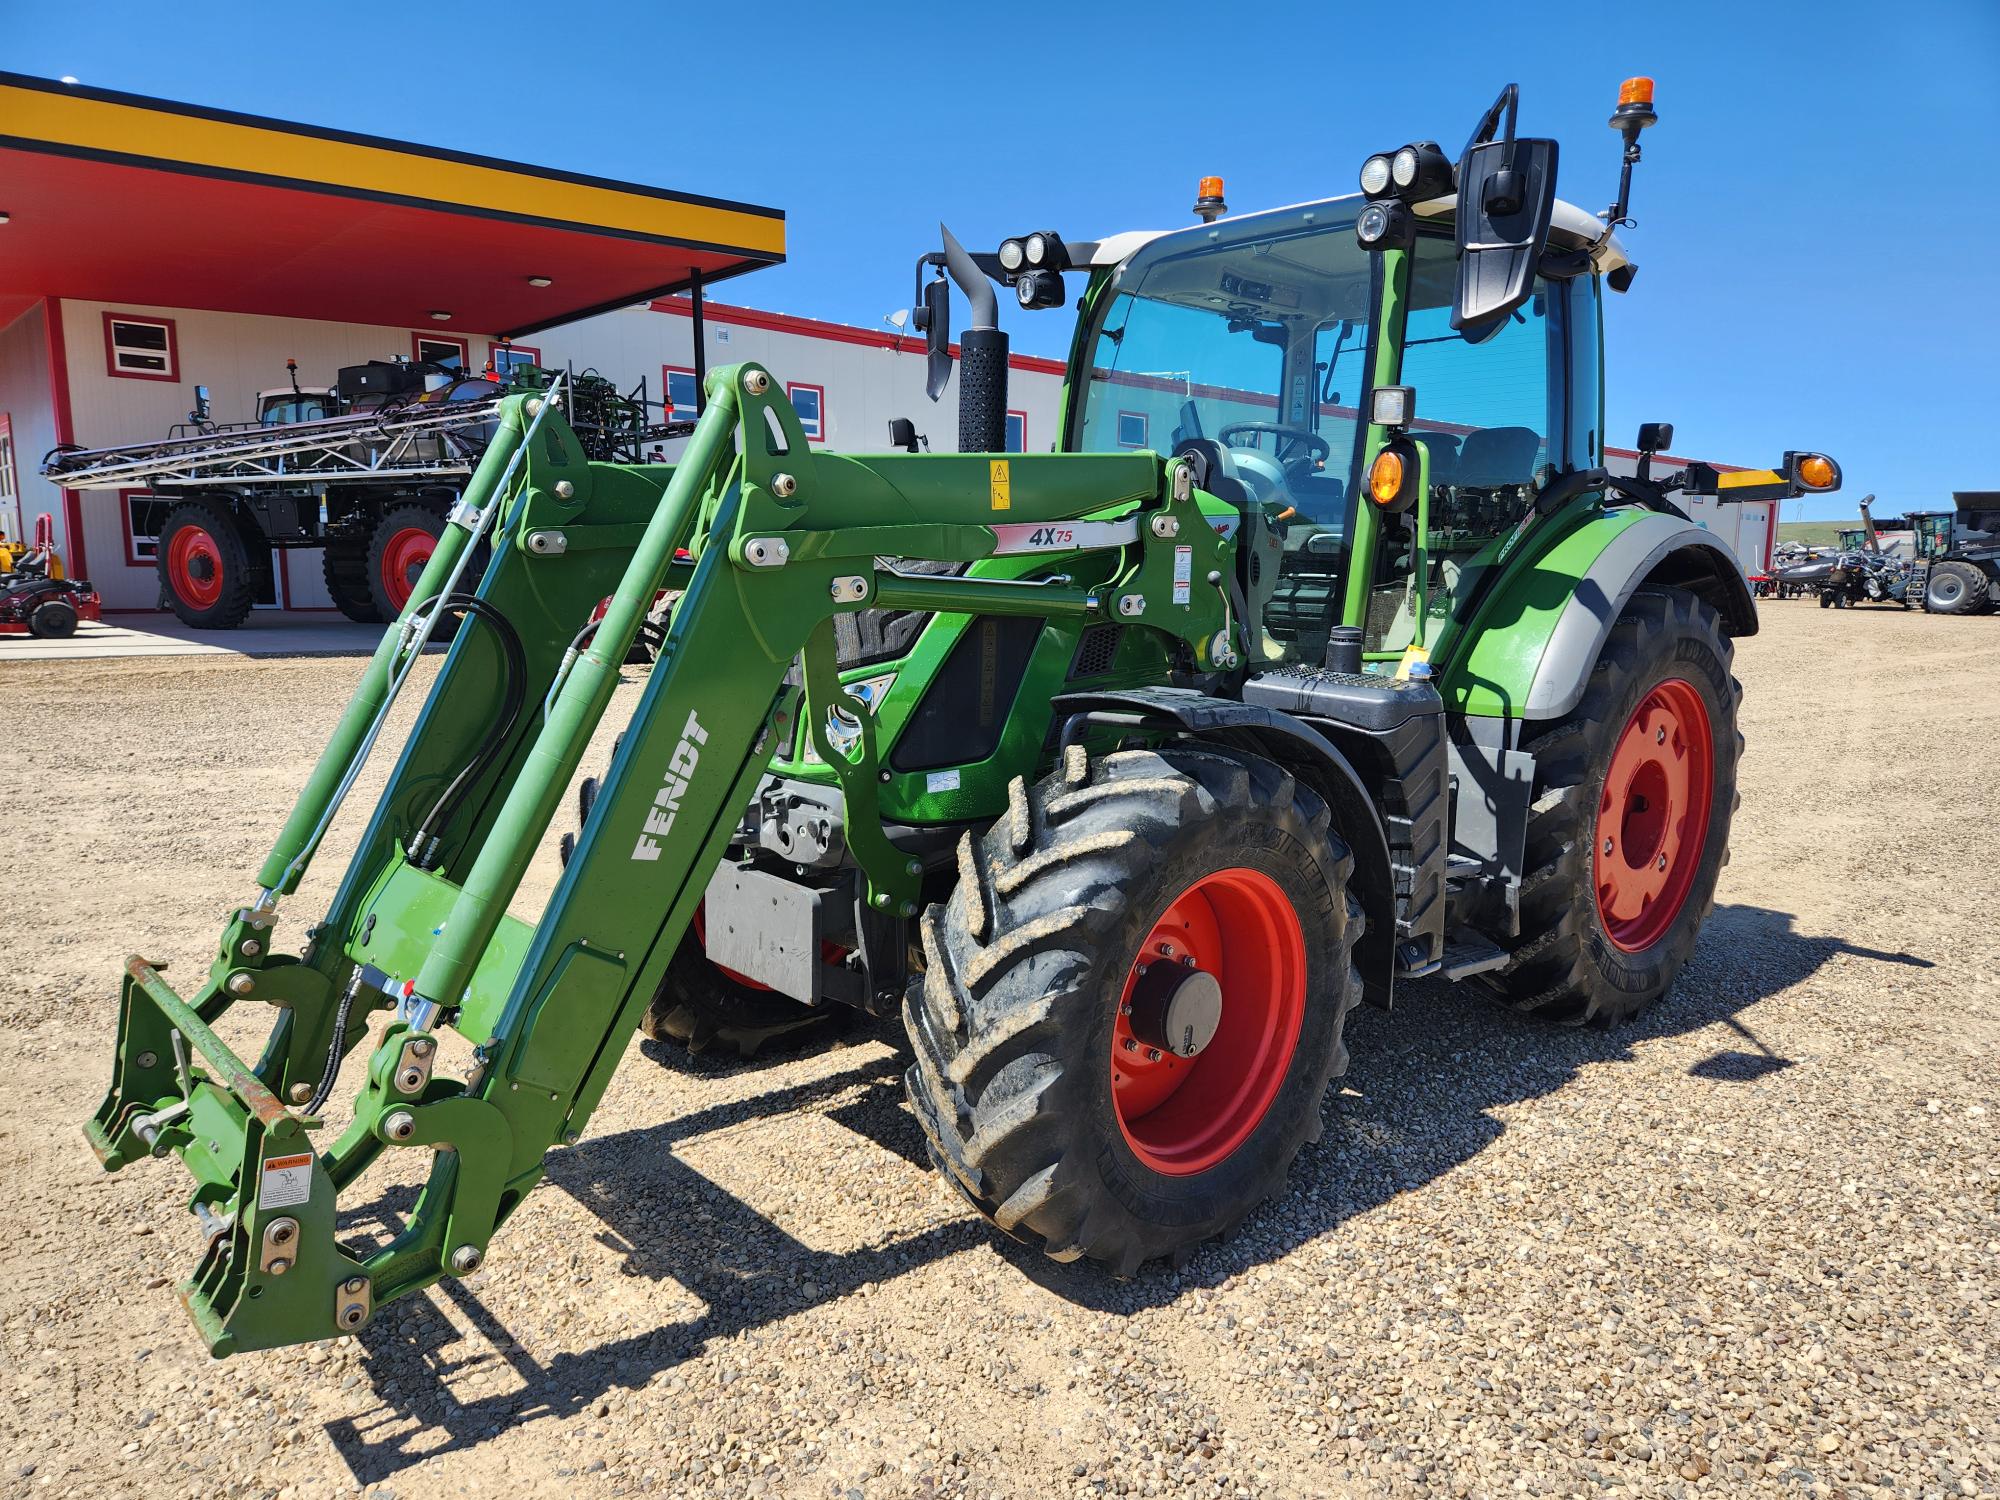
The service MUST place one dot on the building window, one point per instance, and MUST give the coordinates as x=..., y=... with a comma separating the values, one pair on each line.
x=1017, y=432
x=143, y=514
x=138, y=348
x=504, y=359
x=441, y=349
x=1131, y=429
x=809, y=401
x=683, y=392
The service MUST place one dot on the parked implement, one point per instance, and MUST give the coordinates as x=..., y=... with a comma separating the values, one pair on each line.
x=1121, y=776
x=36, y=596
x=366, y=470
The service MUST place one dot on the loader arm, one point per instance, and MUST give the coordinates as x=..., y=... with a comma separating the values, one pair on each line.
x=767, y=540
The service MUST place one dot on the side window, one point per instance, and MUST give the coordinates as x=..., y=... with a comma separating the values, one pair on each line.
x=1017, y=432
x=809, y=401
x=1132, y=427
x=683, y=392
x=437, y=349
x=144, y=515
x=506, y=358
x=1483, y=409
x=138, y=348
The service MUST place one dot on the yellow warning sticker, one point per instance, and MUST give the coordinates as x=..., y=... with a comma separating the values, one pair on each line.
x=1002, y=499
x=1411, y=656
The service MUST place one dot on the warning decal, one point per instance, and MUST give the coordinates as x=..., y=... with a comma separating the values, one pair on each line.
x=1002, y=499
x=1183, y=574
x=287, y=1182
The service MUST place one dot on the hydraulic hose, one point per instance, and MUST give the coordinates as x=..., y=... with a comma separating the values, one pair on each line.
x=514, y=661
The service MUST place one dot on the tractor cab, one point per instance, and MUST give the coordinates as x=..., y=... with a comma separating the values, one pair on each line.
x=1250, y=343
x=288, y=404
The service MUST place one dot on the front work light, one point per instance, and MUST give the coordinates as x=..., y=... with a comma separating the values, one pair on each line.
x=1392, y=405
x=1013, y=255
x=1385, y=226
x=1421, y=172
x=1375, y=175
x=1036, y=290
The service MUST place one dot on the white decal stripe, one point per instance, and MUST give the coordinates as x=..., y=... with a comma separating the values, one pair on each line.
x=1062, y=536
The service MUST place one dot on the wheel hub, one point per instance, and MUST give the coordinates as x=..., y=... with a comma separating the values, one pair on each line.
x=1176, y=1007
x=1223, y=973
x=1652, y=816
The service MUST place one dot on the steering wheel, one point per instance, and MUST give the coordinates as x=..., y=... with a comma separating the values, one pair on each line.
x=1318, y=445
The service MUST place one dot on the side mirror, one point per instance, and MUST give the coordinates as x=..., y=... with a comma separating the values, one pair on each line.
x=903, y=434
x=200, y=412
x=1655, y=437
x=1506, y=198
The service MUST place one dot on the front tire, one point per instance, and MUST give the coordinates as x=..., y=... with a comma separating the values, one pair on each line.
x=204, y=567
x=398, y=548
x=344, y=565
x=1629, y=830
x=53, y=620
x=1059, y=1078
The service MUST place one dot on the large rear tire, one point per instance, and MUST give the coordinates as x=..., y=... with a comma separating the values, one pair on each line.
x=1118, y=909
x=204, y=567
x=1634, y=793
x=1955, y=588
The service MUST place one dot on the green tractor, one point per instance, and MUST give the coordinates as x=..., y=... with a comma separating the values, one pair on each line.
x=1325, y=655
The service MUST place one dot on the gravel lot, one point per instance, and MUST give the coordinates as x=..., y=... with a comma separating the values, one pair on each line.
x=1748, y=1244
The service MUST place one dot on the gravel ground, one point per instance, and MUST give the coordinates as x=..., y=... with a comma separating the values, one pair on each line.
x=1750, y=1244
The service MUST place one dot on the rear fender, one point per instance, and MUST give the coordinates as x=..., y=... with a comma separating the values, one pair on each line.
x=1308, y=755
x=1535, y=641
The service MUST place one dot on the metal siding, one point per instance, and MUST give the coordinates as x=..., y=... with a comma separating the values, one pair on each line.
x=25, y=396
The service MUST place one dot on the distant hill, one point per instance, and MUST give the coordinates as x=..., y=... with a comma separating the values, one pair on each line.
x=1813, y=533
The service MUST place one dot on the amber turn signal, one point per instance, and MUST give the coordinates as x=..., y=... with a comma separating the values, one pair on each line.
x=1385, y=477
x=1816, y=472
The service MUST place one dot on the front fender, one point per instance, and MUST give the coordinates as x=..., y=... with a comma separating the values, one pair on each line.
x=1533, y=643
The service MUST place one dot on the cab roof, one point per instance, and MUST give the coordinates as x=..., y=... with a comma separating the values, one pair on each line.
x=1571, y=228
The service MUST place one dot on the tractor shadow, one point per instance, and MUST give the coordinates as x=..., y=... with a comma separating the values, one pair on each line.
x=1418, y=1100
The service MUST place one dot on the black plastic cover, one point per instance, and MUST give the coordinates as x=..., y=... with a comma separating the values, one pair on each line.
x=1376, y=704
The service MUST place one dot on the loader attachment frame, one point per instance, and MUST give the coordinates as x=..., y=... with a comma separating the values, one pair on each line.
x=767, y=541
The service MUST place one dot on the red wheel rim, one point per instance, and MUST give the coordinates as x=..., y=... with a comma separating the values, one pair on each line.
x=403, y=559
x=194, y=564
x=1182, y=1115
x=1652, y=817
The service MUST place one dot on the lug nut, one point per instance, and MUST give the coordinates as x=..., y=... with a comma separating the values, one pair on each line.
x=1166, y=950
x=1152, y=1054
x=400, y=1126
x=1131, y=1045
x=1660, y=735
x=1663, y=862
x=1607, y=846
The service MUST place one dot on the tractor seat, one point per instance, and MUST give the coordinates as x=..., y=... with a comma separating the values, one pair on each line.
x=1489, y=457
x=1215, y=471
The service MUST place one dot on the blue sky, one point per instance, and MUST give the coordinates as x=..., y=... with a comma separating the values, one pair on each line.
x=1818, y=211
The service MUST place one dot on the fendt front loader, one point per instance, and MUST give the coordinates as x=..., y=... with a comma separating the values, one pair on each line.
x=1120, y=776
